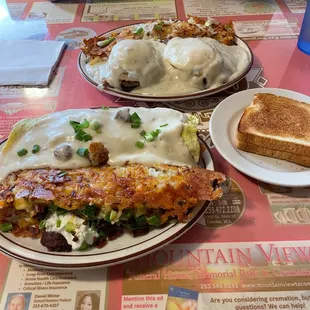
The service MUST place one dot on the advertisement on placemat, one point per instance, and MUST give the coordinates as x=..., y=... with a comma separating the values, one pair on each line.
x=53, y=13
x=37, y=288
x=230, y=7
x=129, y=10
x=267, y=30
x=266, y=275
x=296, y=6
x=289, y=206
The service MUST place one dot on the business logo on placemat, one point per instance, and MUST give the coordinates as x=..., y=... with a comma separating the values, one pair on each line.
x=228, y=210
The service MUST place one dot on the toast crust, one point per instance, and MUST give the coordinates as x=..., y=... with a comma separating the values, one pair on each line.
x=276, y=123
x=259, y=150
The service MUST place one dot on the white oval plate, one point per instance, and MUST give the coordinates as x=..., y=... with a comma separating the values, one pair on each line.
x=138, y=97
x=223, y=126
x=123, y=249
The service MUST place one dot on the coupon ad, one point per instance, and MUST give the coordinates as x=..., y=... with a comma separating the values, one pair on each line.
x=296, y=6
x=267, y=29
x=289, y=206
x=113, y=10
x=53, y=13
x=230, y=7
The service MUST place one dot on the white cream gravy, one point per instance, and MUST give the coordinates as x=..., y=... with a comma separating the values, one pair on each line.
x=185, y=64
x=117, y=136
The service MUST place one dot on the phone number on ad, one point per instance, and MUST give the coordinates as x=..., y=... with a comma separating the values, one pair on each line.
x=208, y=286
x=223, y=209
x=45, y=306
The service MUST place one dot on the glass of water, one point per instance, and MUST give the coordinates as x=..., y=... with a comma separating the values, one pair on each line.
x=304, y=36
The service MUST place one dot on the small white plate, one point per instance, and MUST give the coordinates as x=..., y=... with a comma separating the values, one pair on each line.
x=81, y=63
x=223, y=126
x=121, y=250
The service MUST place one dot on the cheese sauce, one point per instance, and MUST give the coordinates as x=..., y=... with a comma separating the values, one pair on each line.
x=182, y=66
x=52, y=131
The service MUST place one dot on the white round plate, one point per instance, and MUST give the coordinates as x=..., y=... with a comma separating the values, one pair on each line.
x=123, y=249
x=138, y=97
x=223, y=127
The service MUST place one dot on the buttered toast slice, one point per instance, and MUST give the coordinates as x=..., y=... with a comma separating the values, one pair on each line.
x=277, y=127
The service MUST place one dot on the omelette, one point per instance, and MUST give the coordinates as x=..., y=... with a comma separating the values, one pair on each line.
x=80, y=178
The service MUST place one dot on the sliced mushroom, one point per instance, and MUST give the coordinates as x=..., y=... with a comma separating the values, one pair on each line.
x=123, y=114
x=63, y=152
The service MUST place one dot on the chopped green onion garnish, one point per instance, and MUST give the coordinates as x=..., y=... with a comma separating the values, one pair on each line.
x=87, y=137
x=82, y=135
x=143, y=133
x=105, y=42
x=60, y=211
x=158, y=27
x=155, y=133
x=163, y=125
x=77, y=125
x=84, y=246
x=52, y=207
x=62, y=173
x=149, y=137
x=139, y=31
x=5, y=227
x=22, y=152
x=35, y=149
x=139, y=144
x=105, y=108
x=95, y=125
x=42, y=224
x=135, y=125
x=107, y=217
x=126, y=214
x=74, y=123
x=141, y=220
x=138, y=211
x=135, y=118
x=69, y=227
x=154, y=220
x=89, y=211
x=85, y=124
x=113, y=215
x=82, y=151
x=58, y=223
x=102, y=234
